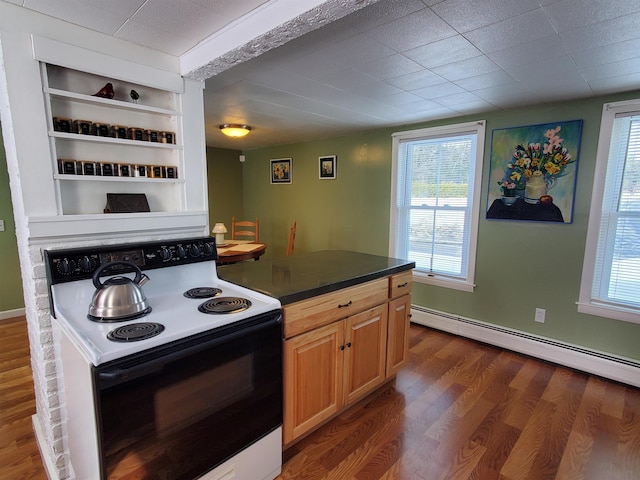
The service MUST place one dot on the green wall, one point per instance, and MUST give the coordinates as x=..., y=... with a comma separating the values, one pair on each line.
x=520, y=265
x=11, y=296
x=224, y=183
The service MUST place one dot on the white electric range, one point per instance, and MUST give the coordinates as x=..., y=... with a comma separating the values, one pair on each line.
x=178, y=382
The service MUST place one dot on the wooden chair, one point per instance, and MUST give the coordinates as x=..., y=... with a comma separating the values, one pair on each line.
x=243, y=231
x=292, y=239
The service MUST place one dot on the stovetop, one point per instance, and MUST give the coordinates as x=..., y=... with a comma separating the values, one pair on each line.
x=178, y=315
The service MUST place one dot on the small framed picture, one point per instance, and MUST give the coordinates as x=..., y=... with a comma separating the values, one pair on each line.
x=281, y=170
x=327, y=165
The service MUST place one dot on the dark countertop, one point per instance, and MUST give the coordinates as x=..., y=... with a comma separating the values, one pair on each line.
x=306, y=275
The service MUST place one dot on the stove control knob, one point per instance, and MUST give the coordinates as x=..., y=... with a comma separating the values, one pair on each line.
x=165, y=254
x=181, y=251
x=87, y=264
x=65, y=266
x=208, y=249
x=194, y=250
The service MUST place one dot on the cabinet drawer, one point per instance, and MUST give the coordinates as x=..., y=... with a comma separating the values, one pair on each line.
x=305, y=315
x=400, y=284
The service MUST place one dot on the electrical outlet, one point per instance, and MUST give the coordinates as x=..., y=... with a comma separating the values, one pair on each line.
x=540, y=313
x=1, y=225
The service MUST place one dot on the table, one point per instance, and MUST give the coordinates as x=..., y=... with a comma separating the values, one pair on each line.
x=238, y=250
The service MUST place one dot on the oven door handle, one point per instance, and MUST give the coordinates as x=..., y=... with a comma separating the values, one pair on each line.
x=155, y=361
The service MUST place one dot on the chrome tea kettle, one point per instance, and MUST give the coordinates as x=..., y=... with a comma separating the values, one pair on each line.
x=119, y=297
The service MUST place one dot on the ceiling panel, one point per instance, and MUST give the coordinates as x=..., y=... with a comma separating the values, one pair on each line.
x=389, y=63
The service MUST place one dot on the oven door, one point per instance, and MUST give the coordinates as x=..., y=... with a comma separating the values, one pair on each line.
x=176, y=412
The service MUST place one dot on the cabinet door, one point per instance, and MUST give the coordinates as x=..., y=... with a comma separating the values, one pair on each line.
x=313, y=364
x=398, y=334
x=364, y=352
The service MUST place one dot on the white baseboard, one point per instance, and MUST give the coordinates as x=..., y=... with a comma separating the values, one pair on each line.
x=609, y=366
x=49, y=466
x=18, y=312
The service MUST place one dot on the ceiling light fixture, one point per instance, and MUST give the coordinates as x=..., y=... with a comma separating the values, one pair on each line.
x=235, y=130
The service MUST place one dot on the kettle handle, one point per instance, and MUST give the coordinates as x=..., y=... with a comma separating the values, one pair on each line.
x=98, y=272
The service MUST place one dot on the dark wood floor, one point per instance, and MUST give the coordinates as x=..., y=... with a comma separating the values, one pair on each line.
x=460, y=410
x=19, y=457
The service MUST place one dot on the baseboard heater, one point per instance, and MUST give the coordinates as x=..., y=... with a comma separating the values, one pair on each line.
x=609, y=366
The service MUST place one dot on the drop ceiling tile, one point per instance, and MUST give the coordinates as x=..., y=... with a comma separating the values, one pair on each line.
x=191, y=20
x=291, y=82
x=419, y=28
x=480, y=13
x=623, y=83
x=568, y=88
x=374, y=90
x=350, y=52
x=516, y=30
x=614, y=69
x=401, y=98
x=421, y=105
x=553, y=69
x=449, y=50
x=231, y=11
x=416, y=80
x=348, y=79
x=177, y=14
x=530, y=53
x=154, y=38
x=477, y=106
x=506, y=96
x=93, y=14
x=603, y=33
x=572, y=14
x=439, y=90
x=389, y=67
x=486, y=80
x=469, y=67
x=596, y=57
x=382, y=12
x=461, y=98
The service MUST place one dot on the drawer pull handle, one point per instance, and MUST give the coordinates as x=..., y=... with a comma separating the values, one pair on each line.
x=403, y=285
x=345, y=305
x=341, y=347
x=349, y=345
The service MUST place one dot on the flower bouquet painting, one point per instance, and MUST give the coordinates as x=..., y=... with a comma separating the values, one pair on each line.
x=533, y=172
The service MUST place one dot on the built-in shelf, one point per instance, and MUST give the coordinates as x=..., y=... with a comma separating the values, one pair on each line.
x=115, y=141
x=90, y=99
x=67, y=94
x=100, y=178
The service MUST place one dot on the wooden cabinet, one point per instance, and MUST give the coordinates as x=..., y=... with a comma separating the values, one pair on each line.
x=312, y=368
x=340, y=346
x=365, y=352
x=399, y=314
x=398, y=334
x=332, y=366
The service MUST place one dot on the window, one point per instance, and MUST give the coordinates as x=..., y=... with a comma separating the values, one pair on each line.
x=435, y=195
x=610, y=284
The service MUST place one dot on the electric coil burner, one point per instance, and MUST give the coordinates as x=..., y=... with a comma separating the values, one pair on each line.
x=224, y=305
x=135, y=332
x=135, y=316
x=202, y=292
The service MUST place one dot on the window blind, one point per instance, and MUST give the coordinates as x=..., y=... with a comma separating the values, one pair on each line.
x=616, y=279
x=434, y=203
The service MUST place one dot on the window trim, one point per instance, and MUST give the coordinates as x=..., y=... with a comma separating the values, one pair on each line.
x=479, y=128
x=585, y=303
